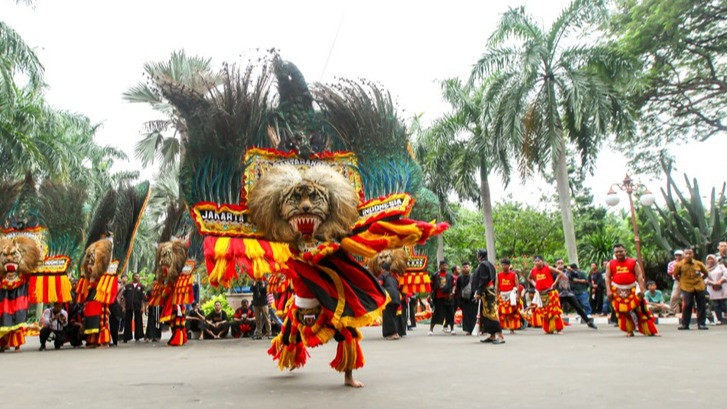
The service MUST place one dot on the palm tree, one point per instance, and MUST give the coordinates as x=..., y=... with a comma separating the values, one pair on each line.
x=548, y=90
x=437, y=156
x=16, y=57
x=192, y=72
x=476, y=151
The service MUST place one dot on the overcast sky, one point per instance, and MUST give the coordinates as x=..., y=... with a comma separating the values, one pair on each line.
x=95, y=50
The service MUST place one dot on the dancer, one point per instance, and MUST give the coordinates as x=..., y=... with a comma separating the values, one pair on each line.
x=509, y=304
x=483, y=282
x=19, y=255
x=627, y=299
x=546, y=296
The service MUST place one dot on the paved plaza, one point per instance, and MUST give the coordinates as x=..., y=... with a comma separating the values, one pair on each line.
x=579, y=369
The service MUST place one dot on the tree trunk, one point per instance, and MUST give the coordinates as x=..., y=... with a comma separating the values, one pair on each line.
x=486, y=200
x=561, y=178
x=440, y=249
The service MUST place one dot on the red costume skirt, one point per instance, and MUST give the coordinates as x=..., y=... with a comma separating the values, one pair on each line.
x=509, y=314
x=551, y=312
x=624, y=303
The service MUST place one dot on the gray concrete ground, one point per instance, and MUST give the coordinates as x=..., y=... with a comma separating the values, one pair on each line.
x=580, y=369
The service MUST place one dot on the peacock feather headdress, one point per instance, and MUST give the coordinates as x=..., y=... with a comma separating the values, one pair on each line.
x=366, y=122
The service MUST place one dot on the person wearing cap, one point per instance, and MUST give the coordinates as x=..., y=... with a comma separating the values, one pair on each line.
x=509, y=304
x=625, y=289
x=691, y=274
x=675, y=302
x=545, y=279
x=483, y=284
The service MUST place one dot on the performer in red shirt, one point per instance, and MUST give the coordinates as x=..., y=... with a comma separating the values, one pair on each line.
x=509, y=304
x=541, y=277
x=622, y=275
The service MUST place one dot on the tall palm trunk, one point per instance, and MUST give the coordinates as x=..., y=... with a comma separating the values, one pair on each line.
x=487, y=212
x=561, y=178
x=440, y=249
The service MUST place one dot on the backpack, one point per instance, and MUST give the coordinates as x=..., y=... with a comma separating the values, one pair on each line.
x=467, y=290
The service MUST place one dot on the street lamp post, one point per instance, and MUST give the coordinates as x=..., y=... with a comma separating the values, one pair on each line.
x=647, y=199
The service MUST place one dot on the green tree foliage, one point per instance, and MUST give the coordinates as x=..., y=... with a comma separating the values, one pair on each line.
x=681, y=45
x=685, y=222
x=548, y=89
x=161, y=137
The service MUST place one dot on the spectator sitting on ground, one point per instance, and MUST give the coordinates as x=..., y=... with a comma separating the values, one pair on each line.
x=243, y=323
x=53, y=321
x=216, y=323
x=195, y=322
x=655, y=300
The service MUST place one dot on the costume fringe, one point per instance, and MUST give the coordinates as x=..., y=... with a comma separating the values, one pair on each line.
x=509, y=314
x=107, y=289
x=349, y=355
x=13, y=339
x=552, y=321
x=179, y=332
x=49, y=288
x=646, y=324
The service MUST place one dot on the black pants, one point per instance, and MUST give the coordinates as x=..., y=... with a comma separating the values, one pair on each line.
x=390, y=322
x=58, y=342
x=413, y=304
x=573, y=301
x=402, y=318
x=469, y=315
x=74, y=335
x=115, y=315
x=596, y=300
x=138, y=324
x=153, y=327
x=443, y=313
x=689, y=303
x=220, y=331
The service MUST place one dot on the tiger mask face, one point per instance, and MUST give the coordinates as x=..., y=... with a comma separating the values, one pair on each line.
x=289, y=205
x=96, y=259
x=395, y=258
x=171, y=256
x=18, y=255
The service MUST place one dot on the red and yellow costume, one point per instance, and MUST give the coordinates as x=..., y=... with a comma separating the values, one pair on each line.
x=508, y=313
x=13, y=312
x=626, y=300
x=96, y=297
x=551, y=310
x=172, y=298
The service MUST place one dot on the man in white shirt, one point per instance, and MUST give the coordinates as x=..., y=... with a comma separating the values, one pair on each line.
x=675, y=302
x=53, y=321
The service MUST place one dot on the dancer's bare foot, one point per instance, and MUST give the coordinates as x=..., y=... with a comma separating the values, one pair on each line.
x=629, y=334
x=349, y=381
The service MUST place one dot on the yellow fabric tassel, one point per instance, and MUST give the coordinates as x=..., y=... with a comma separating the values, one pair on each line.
x=221, y=246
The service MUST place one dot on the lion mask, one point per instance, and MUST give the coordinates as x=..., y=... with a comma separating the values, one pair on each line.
x=289, y=205
x=171, y=257
x=96, y=259
x=396, y=258
x=18, y=256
